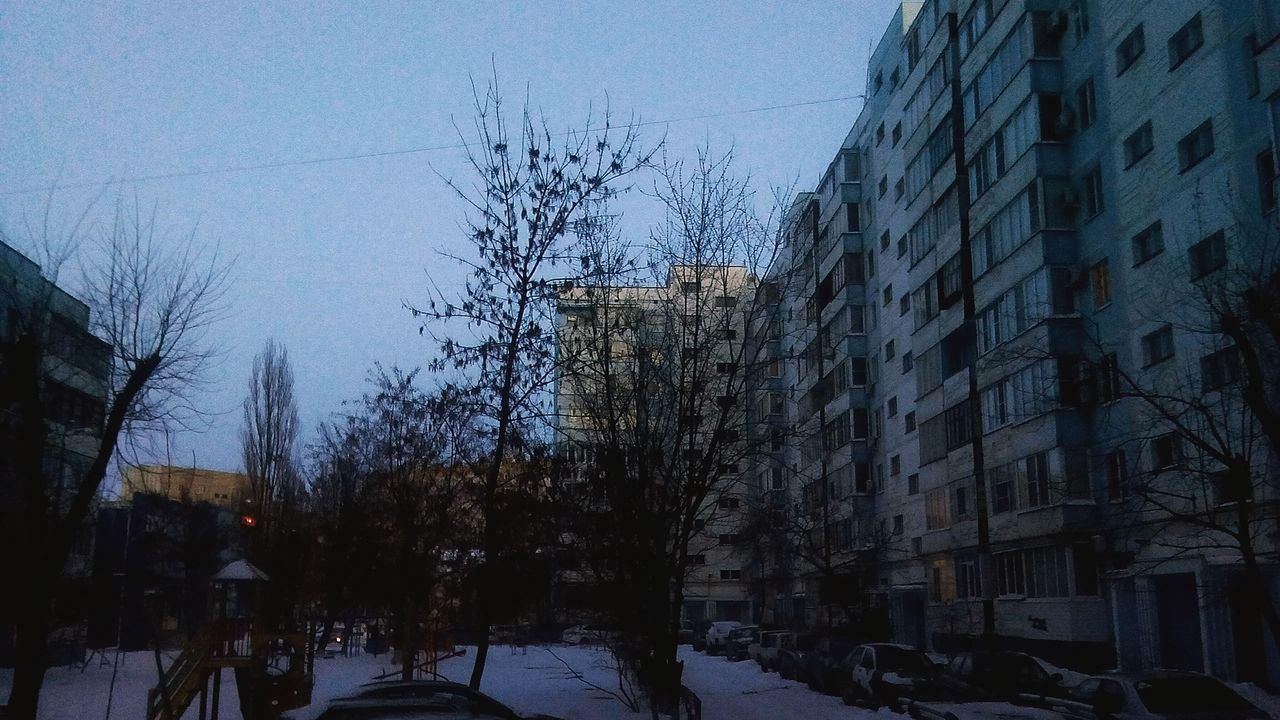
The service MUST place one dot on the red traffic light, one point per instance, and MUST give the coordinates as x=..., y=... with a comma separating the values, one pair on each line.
x=248, y=521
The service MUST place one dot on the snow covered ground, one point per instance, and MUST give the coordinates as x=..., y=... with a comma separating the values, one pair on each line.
x=537, y=680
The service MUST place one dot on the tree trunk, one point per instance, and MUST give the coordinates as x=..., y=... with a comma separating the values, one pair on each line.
x=32, y=630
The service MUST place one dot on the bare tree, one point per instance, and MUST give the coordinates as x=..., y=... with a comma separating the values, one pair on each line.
x=526, y=190
x=150, y=298
x=269, y=436
x=653, y=374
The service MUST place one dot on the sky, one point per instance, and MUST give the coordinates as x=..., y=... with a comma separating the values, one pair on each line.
x=327, y=253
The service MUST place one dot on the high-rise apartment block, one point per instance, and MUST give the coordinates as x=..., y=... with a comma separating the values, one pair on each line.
x=1016, y=234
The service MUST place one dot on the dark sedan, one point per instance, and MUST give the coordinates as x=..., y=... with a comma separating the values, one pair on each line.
x=420, y=698
x=997, y=676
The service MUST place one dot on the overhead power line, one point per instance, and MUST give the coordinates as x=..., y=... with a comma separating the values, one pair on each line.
x=389, y=153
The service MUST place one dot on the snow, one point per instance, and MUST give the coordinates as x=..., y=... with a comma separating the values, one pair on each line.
x=552, y=679
x=241, y=570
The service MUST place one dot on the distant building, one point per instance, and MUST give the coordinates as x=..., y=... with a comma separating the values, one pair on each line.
x=186, y=484
x=692, y=321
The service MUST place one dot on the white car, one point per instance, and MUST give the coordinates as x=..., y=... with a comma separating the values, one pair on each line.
x=718, y=634
x=883, y=673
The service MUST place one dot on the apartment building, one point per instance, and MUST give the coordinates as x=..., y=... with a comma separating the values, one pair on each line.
x=658, y=370
x=75, y=367
x=186, y=485
x=1021, y=216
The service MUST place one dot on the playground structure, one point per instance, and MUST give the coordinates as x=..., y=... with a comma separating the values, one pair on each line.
x=273, y=667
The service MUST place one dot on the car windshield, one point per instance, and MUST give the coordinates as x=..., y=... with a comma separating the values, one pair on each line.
x=1188, y=694
x=895, y=658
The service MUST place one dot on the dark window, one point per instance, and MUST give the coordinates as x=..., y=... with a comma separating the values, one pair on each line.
x=889, y=351
x=880, y=134
x=1093, y=198
x=888, y=295
x=884, y=185
x=957, y=424
x=1166, y=451
x=1208, y=255
x=1085, y=568
x=1148, y=243
x=1108, y=378
x=899, y=189
x=895, y=465
x=1138, y=145
x=897, y=134
x=1196, y=146
x=1266, y=166
x=1185, y=42
x=909, y=421
x=906, y=362
x=1231, y=487
x=913, y=484
x=1086, y=104
x=1117, y=473
x=1157, y=346
x=1219, y=369
x=1129, y=50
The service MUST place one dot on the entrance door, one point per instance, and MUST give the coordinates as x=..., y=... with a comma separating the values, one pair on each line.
x=1178, y=620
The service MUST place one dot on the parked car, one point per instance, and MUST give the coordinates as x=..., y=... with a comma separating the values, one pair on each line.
x=718, y=633
x=998, y=676
x=502, y=634
x=420, y=698
x=790, y=663
x=1153, y=695
x=583, y=635
x=822, y=670
x=765, y=652
x=884, y=674
x=739, y=640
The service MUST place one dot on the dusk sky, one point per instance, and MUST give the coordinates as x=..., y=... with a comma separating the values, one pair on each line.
x=328, y=252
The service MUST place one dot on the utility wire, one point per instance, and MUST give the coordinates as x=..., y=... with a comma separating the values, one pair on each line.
x=389, y=153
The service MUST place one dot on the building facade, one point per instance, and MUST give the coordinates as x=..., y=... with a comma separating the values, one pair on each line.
x=1010, y=242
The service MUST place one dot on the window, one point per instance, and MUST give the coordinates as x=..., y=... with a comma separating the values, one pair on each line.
x=909, y=421
x=1265, y=164
x=727, y=503
x=880, y=134
x=1208, y=255
x=775, y=368
x=897, y=133
x=775, y=403
x=902, y=244
x=883, y=186
x=1108, y=378
x=860, y=423
x=906, y=362
x=895, y=466
x=1093, y=198
x=730, y=574
x=1231, y=487
x=858, y=371
x=861, y=478
x=697, y=559
x=913, y=484
x=968, y=579
x=1138, y=145
x=1166, y=451
x=1086, y=104
x=1100, y=283
x=1129, y=50
x=899, y=525
x=1080, y=18
x=893, y=406
x=775, y=440
x=1219, y=369
x=957, y=425
x=726, y=301
x=960, y=501
x=1117, y=473
x=1010, y=574
x=888, y=295
x=1036, y=472
x=888, y=351
x=728, y=539
x=1185, y=42
x=1157, y=346
x=688, y=287
x=935, y=509
x=1148, y=243
x=1000, y=479
x=1196, y=146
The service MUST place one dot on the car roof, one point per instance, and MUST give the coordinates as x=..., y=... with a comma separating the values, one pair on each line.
x=441, y=684
x=899, y=646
